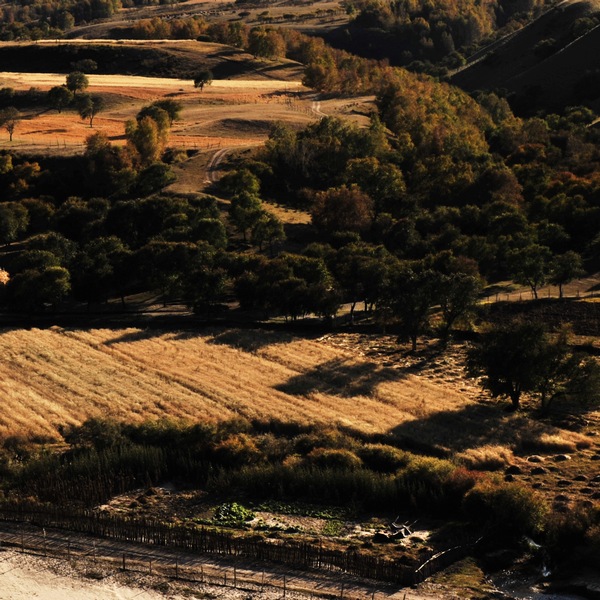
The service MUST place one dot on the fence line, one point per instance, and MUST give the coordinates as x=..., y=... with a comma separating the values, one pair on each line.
x=96, y=560
x=298, y=555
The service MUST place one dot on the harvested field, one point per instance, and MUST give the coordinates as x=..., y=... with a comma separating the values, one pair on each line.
x=51, y=377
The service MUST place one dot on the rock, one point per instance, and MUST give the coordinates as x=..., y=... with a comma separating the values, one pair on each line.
x=561, y=498
x=538, y=471
x=509, y=477
x=580, y=478
x=564, y=483
x=381, y=538
x=562, y=457
x=513, y=470
x=535, y=459
x=537, y=485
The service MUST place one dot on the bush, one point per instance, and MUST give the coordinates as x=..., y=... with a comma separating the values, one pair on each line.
x=513, y=509
x=577, y=527
x=423, y=485
x=383, y=458
x=330, y=458
x=237, y=450
x=232, y=514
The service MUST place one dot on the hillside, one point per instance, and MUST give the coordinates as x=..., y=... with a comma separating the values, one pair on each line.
x=151, y=58
x=543, y=65
x=52, y=377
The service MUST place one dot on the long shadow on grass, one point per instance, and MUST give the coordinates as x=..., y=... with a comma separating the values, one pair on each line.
x=134, y=336
x=341, y=377
x=251, y=340
x=472, y=426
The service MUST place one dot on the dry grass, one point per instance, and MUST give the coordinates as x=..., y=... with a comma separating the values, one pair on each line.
x=56, y=376
x=486, y=458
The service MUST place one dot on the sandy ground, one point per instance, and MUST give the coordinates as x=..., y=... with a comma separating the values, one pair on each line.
x=25, y=577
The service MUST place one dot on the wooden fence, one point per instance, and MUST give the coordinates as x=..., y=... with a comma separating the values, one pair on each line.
x=201, y=540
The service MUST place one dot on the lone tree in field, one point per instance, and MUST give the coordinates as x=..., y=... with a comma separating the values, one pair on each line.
x=77, y=82
x=89, y=106
x=9, y=117
x=522, y=357
x=59, y=97
x=203, y=78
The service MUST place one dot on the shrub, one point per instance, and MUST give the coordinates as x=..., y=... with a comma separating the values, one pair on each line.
x=237, y=450
x=331, y=458
x=323, y=438
x=422, y=484
x=232, y=514
x=576, y=527
x=383, y=458
x=513, y=509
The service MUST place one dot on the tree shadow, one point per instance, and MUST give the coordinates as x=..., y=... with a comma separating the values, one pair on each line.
x=250, y=340
x=341, y=377
x=485, y=423
x=134, y=336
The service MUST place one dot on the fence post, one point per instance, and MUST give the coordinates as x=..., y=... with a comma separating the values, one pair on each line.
x=124, y=567
x=176, y=569
x=22, y=541
x=284, y=586
x=45, y=545
x=342, y=591
x=69, y=548
x=150, y=567
x=234, y=576
x=262, y=583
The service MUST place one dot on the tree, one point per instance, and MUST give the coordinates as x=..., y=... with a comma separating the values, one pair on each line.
x=564, y=268
x=171, y=107
x=343, y=209
x=89, y=106
x=204, y=77
x=14, y=220
x=265, y=43
x=522, y=357
x=412, y=293
x=267, y=229
x=9, y=117
x=59, y=97
x=34, y=289
x=530, y=266
x=458, y=295
x=77, y=82
x=145, y=137
x=245, y=211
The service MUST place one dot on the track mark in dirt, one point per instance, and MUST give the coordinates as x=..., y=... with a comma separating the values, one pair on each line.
x=213, y=170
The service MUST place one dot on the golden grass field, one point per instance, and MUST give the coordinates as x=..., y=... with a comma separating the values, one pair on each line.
x=52, y=377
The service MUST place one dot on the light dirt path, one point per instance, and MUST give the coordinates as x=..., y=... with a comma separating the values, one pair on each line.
x=56, y=564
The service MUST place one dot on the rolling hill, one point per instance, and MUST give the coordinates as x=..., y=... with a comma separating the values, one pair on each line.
x=550, y=64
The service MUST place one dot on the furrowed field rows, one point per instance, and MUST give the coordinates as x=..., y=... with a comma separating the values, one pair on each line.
x=54, y=376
